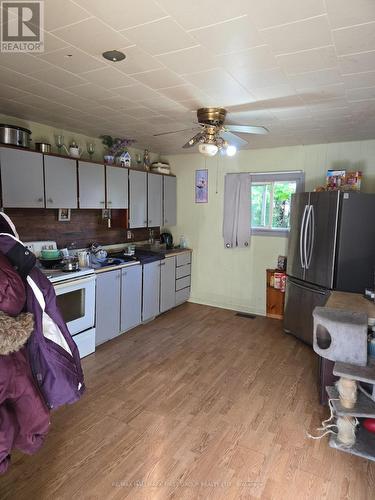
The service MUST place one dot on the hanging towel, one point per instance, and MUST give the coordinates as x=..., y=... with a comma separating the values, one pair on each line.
x=237, y=211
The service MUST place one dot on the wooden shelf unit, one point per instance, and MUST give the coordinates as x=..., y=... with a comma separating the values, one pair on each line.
x=274, y=297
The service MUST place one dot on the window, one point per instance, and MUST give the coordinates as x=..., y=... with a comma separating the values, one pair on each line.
x=270, y=201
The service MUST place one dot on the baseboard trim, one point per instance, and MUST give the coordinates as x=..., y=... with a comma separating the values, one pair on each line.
x=230, y=307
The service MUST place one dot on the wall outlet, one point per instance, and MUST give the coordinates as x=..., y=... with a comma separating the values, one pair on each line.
x=30, y=247
x=129, y=235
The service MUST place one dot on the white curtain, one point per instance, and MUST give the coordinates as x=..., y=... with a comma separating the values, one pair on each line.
x=237, y=210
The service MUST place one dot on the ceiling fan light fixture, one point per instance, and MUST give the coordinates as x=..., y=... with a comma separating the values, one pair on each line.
x=231, y=150
x=208, y=149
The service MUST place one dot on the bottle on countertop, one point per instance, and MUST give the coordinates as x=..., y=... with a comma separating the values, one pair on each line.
x=183, y=242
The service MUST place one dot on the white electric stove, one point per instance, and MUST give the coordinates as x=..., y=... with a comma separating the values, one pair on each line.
x=75, y=291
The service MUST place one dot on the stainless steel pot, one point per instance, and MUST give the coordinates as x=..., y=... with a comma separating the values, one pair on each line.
x=43, y=147
x=71, y=264
x=15, y=136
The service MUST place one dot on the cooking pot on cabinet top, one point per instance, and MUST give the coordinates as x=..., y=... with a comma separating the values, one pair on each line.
x=15, y=136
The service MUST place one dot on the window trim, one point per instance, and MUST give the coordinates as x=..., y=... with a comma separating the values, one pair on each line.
x=264, y=177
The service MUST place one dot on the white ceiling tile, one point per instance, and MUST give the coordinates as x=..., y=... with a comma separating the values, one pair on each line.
x=308, y=60
x=78, y=62
x=23, y=63
x=58, y=77
x=8, y=92
x=108, y=77
x=116, y=103
x=58, y=13
x=230, y=36
x=159, y=37
x=52, y=43
x=359, y=80
x=121, y=14
x=361, y=94
x=316, y=78
x=196, y=14
x=348, y=12
x=159, y=78
x=268, y=78
x=273, y=92
x=220, y=85
x=137, y=61
x=16, y=80
x=355, y=39
x=183, y=92
x=162, y=105
x=315, y=94
x=268, y=13
x=140, y=112
x=136, y=92
x=255, y=59
x=357, y=63
x=92, y=36
x=91, y=91
x=301, y=35
x=189, y=60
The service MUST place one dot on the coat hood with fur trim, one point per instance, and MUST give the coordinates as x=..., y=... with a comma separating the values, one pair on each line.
x=14, y=332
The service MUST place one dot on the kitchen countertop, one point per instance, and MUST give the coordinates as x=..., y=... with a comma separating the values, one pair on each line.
x=351, y=302
x=177, y=251
x=116, y=266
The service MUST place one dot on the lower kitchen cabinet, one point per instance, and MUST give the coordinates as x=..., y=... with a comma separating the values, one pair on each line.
x=167, y=284
x=108, y=303
x=151, y=290
x=131, y=297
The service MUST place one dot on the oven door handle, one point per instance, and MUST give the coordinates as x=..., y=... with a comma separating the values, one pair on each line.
x=65, y=284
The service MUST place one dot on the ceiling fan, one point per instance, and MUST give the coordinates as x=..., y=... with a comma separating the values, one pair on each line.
x=214, y=135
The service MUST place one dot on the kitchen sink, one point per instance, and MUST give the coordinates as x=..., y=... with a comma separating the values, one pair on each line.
x=116, y=261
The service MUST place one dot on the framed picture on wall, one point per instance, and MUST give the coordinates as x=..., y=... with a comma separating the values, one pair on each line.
x=201, y=186
x=64, y=215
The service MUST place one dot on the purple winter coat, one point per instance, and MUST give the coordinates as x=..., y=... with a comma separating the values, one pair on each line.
x=24, y=418
x=53, y=354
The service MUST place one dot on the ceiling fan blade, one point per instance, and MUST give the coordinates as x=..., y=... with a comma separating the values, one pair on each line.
x=176, y=131
x=247, y=129
x=233, y=139
x=193, y=141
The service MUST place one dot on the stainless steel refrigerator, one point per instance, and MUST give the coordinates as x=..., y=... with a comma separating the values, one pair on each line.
x=331, y=247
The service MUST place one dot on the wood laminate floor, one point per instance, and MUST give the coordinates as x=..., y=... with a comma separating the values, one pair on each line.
x=199, y=403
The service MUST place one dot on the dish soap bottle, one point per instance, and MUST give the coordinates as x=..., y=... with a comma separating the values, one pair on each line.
x=183, y=242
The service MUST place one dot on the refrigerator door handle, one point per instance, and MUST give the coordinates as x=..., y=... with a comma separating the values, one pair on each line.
x=315, y=290
x=311, y=220
x=301, y=239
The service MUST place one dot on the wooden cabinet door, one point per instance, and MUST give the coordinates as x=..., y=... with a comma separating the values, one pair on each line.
x=137, y=199
x=22, y=178
x=169, y=201
x=151, y=290
x=91, y=185
x=61, y=182
x=167, y=284
x=154, y=200
x=131, y=297
x=108, y=295
x=117, y=187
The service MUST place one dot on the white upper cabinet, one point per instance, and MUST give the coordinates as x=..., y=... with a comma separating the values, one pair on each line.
x=91, y=185
x=169, y=201
x=154, y=200
x=61, y=182
x=137, y=199
x=117, y=187
x=22, y=178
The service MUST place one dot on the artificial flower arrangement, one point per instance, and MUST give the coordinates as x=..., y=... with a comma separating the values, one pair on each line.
x=116, y=147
